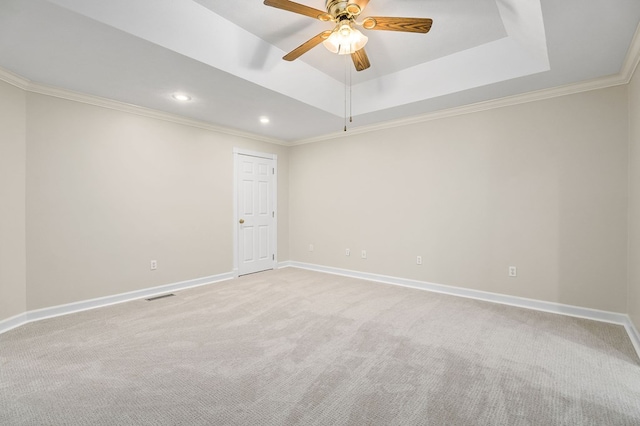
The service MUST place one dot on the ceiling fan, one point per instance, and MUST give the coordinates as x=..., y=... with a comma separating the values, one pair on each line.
x=345, y=39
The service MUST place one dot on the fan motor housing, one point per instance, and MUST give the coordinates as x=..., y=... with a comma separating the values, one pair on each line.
x=340, y=9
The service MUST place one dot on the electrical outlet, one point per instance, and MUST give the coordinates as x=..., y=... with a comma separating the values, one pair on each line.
x=364, y=254
x=310, y=247
x=347, y=252
x=513, y=271
x=419, y=260
x=154, y=265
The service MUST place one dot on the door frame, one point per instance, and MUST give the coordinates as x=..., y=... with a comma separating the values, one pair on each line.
x=237, y=152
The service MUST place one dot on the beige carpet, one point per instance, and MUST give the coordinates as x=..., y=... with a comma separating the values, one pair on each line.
x=294, y=347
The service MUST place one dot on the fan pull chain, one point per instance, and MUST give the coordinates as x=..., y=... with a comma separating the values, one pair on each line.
x=346, y=66
x=348, y=91
x=350, y=95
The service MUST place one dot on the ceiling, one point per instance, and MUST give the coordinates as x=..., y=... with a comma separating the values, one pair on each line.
x=227, y=57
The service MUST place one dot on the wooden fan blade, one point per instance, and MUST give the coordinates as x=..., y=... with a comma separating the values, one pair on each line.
x=299, y=8
x=307, y=46
x=360, y=60
x=387, y=23
x=361, y=3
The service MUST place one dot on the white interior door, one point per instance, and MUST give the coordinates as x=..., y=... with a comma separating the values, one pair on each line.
x=255, y=213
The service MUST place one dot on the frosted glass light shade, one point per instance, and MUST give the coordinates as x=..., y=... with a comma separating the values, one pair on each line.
x=345, y=40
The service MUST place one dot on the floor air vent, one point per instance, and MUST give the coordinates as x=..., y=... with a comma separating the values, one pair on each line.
x=160, y=297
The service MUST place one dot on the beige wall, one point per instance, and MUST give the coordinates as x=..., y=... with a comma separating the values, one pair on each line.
x=12, y=202
x=634, y=200
x=108, y=191
x=541, y=186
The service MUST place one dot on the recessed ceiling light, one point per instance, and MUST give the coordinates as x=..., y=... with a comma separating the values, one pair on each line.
x=181, y=97
x=264, y=120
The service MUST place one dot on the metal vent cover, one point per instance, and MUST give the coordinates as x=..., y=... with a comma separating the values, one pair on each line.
x=162, y=296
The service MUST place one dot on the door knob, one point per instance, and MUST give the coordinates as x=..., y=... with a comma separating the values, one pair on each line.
x=241, y=221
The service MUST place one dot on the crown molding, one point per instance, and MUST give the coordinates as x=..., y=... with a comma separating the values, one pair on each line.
x=633, y=58
x=623, y=77
x=586, y=86
x=14, y=79
x=142, y=111
x=615, y=80
x=42, y=89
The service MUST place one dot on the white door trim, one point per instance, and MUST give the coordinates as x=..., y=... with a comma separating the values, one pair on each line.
x=274, y=198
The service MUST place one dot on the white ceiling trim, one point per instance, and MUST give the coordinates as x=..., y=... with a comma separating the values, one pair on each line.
x=524, y=22
x=623, y=77
x=540, y=95
x=523, y=52
x=145, y=112
x=494, y=62
x=14, y=79
x=601, y=83
x=633, y=57
x=42, y=89
x=154, y=22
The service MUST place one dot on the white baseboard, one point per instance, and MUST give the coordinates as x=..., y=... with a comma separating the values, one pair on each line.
x=521, y=302
x=13, y=322
x=633, y=335
x=54, y=311
x=539, y=305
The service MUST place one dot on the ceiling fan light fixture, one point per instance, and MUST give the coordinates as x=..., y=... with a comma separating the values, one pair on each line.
x=345, y=40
